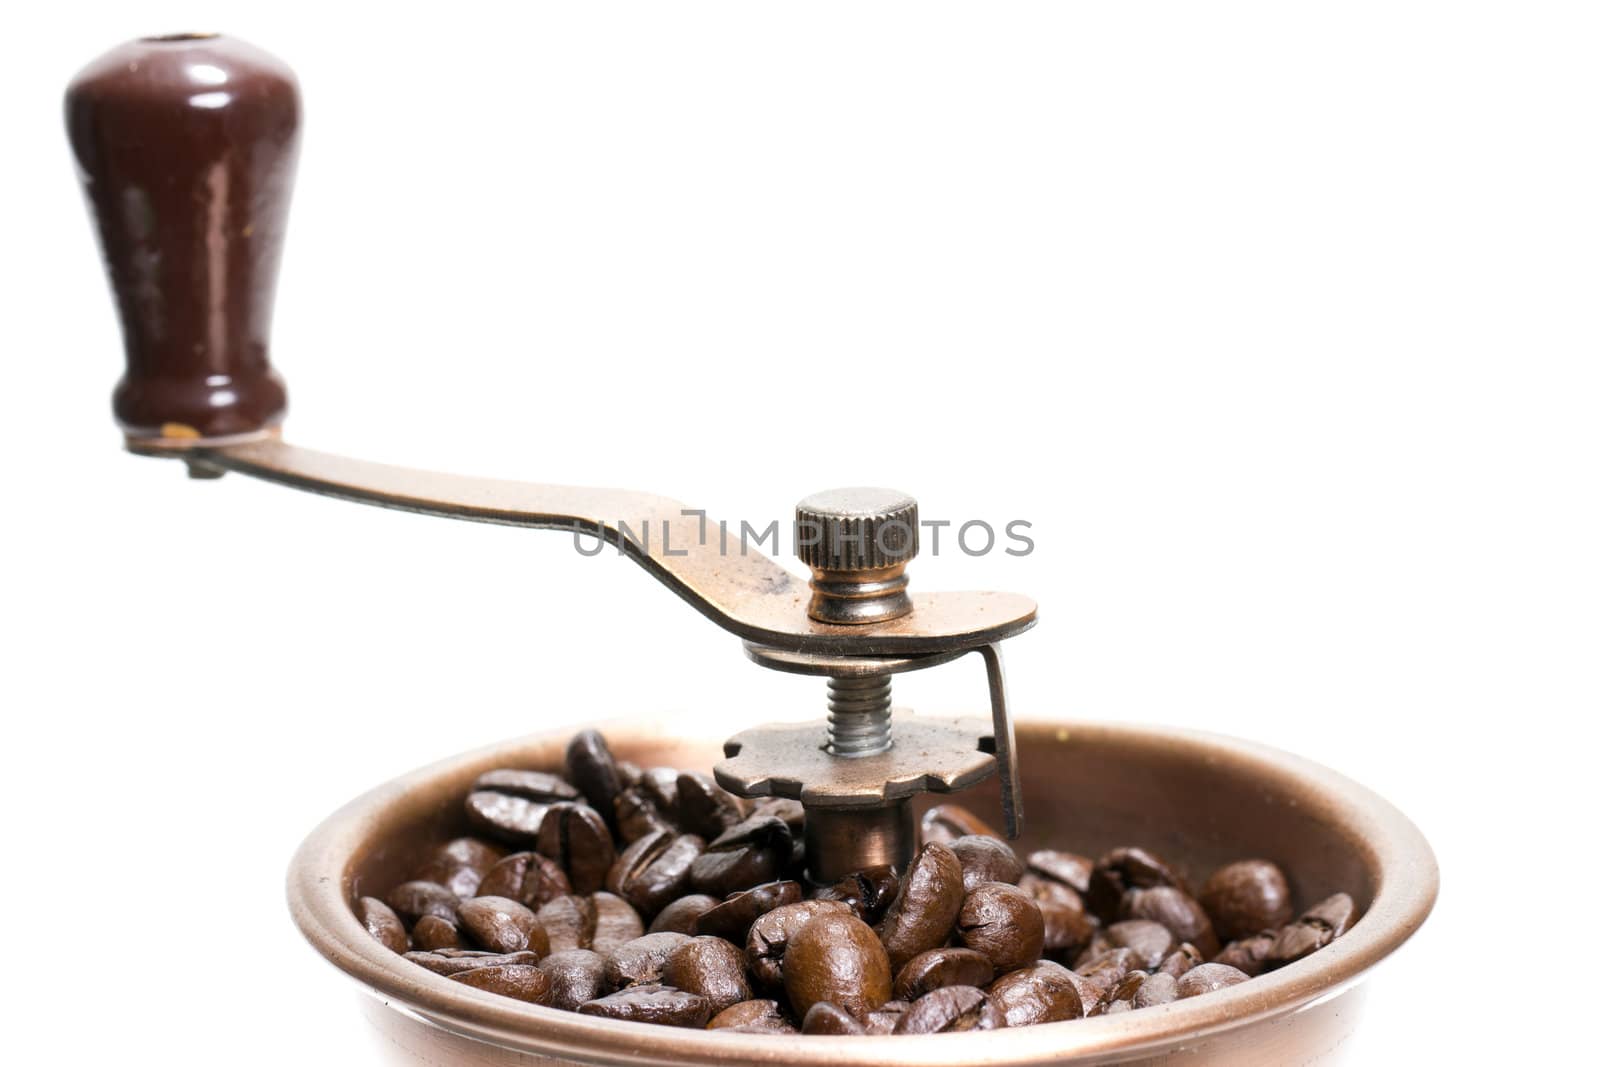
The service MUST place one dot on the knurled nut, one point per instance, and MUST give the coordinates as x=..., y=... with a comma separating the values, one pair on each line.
x=862, y=529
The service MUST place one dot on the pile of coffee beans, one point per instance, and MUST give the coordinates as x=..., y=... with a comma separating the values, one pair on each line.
x=655, y=896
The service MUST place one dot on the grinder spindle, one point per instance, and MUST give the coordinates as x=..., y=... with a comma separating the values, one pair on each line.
x=186, y=148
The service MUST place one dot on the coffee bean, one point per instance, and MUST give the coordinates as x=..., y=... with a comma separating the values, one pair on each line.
x=1248, y=954
x=830, y=1020
x=518, y=981
x=836, y=958
x=600, y=922
x=712, y=967
x=1042, y=992
x=453, y=961
x=1160, y=988
x=575, y=837
x=1149, y=941
x=1120, y=870
x=593, y=769
x=660, y=785
x=640, y=961
x=411, y=900
x=869, y=892
x=1108, y=968
x=753, y=1017
x=1246, y=897
x=733, y=917
x=1315, y=929
x=1003, y=923
x=986, y=859
x=528, y=878
x=651, y=1003
x=946, y=822
x=1181, y=959
x=1119, y=998
x=383, y=924
x=950, y=1010
x=637, y=814
x=924, y=913
x=886, y=1018
x=705, y=809
x=654, y=869
x=576, y=975
x=432, y=933
x=531, y=785
x=500, y=924
x=628, y=773
x=680, y=916
x=1063, y=868
x=770, y=935
x=1207, y=978
x=459, y=865
x=514, y=820
x=754, y=850
x=1176, y=910
x=1066, y=926
x=941, y=967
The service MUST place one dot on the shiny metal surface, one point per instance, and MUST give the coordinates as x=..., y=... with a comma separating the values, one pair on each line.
x=1198, y=799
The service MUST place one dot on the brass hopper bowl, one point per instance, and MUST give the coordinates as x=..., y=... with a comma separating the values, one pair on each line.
x=186, y=148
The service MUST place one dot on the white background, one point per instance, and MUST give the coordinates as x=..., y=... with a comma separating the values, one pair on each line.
x=1278, y=322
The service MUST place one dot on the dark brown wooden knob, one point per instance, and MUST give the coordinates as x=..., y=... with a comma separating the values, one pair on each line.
x=186, y=147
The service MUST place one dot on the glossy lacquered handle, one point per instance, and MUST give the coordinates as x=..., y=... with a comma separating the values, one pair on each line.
x=186, y=147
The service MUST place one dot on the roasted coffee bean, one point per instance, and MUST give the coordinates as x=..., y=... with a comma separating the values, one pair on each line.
x=836, y=958
x=733, y=917
x=459, y=865
x=575, y=837
x=680, y=916
x=518, y=981
x=705, y=809
x=1149, y=941
x=986, y=859
x=869, y=892
x=830, y=1020
x=1248, y=954
x=432, y=933
x=1177, y=911
x=1042, y=992
x=528, y=878
x=1120, y=870
x=946, y=822
x=924, y=913
x=654, y=869
x=628, y=773
x=412, y=900
x=1063, y=868
x=1160, y=988
x=1315, y=929
x=753, y=1017
x=770, y=935
x=640, y=961
x=593, y=769
x=1181, y=959
x=652, y=1004
x=1207, y=978
x=1003, y=923
x=600, y=922
x=500, y=924
x=1089, y=993
x=532, y=785
x=1120, y=997
x=383, y=924
x=512, y=819
x=792, y=812
x=1107, y=969
x=712, y=967
x=950, y=1010
x=754, y=850
x=1067, y=927
x=637, y=814
x=454, y=961
x=1245, y=898
x=941, y=967
x=660, y=784
x=576, y=975
x=886, y=1018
